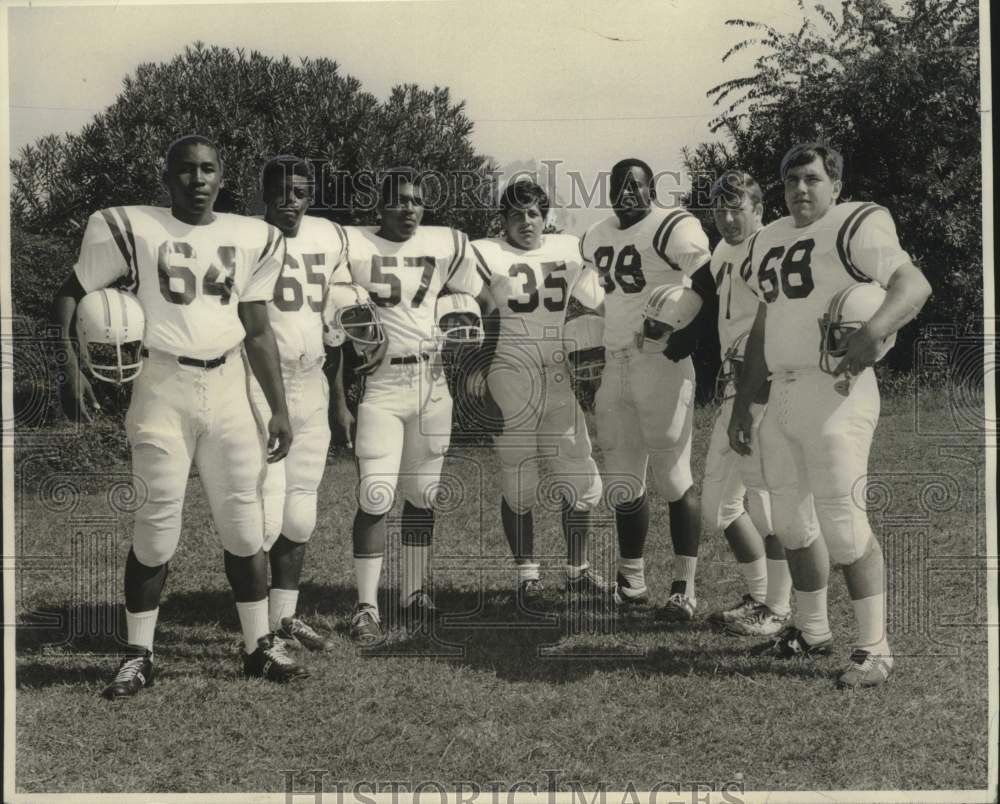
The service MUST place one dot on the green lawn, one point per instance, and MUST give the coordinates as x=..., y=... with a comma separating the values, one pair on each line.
x=501, y=695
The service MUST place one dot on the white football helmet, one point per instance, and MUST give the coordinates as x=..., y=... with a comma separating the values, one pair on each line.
x=847, y=312
x=110, y=326
x=670, y=308
x=732, y=366
x=460, y=322
x=350, y=315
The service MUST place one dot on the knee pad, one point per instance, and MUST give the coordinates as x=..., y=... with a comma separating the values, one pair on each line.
x=300, y=517
x=795, y=523
x=622, y=489
x=376, y=494
x=581, y=490
x=845, y=529
x=672, y=474
x=421, y=485
x=154, y=550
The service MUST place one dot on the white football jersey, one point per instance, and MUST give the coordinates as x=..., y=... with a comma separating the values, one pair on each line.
x=796, y=272
x=314, y=257
x=664, y=248
x=737, y=302
x=405, y=279
x=531, y=289
x=189, y=279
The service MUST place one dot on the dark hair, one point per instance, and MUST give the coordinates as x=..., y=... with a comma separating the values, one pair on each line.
x=183, y=142
x=733, y=185
x=625, y=165
x=392, y=181
x=806, y=152
x=523, y=194
x=281, y=167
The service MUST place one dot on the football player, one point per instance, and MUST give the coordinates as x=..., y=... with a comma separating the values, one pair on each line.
x=817, y=431
x=530, y=276
x=646, y=399
x=737, y=208
x=404, y=415
x=315, y=256
x=203, y=279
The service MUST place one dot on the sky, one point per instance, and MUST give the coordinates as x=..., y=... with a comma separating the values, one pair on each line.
x=582, y=84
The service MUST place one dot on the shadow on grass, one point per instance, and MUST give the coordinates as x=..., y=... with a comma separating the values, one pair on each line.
x=559, y=642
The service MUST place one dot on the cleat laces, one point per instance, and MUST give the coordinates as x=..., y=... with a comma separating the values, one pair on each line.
x=129, y=670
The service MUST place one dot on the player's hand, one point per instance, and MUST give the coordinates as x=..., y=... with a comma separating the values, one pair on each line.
x=740, y=430
x=343, y=426
x=279, y=437
x=682, y=343
x=862, y=351
x=77, y=396
x=374, y=358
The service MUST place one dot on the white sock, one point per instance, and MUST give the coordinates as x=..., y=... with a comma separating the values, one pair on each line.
x=141, y=626
x=870, y=614
x=253, y=621
x=633, y=570
x=779, y=587
x=811, y=615
x=416, y=558
x=281, y=603
x=527, y=571
x=366, y=573
x=684, y=568
x=575, y=572
x=755, y=575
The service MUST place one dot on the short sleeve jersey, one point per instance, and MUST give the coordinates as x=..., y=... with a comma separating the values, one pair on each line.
x=531, y=289
x=314, y=257
x=798, y=271
x=665, y=248
x=737, y=302
x=405, y=279
x=189, y=279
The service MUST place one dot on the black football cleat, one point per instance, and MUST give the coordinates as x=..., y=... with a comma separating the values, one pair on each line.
x=791, y=644
x=297, y=634
x=366, y=627
x=134, y=672
x=271, y=662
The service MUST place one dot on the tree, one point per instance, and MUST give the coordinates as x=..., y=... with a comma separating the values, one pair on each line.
x=254, y=107
x=898, y=95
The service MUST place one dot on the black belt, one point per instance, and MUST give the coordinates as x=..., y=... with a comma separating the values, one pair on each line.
x=215, y=362
x=408, y=359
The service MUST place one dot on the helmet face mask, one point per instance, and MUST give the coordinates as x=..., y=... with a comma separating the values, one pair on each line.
x=459, y=326
x=110, y=327
x=349, y=315
x=583, y=337
x=460, y=330
x=655, y=335
x=728, y=378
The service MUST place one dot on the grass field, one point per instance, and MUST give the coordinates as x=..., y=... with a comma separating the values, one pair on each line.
x=499, y=695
